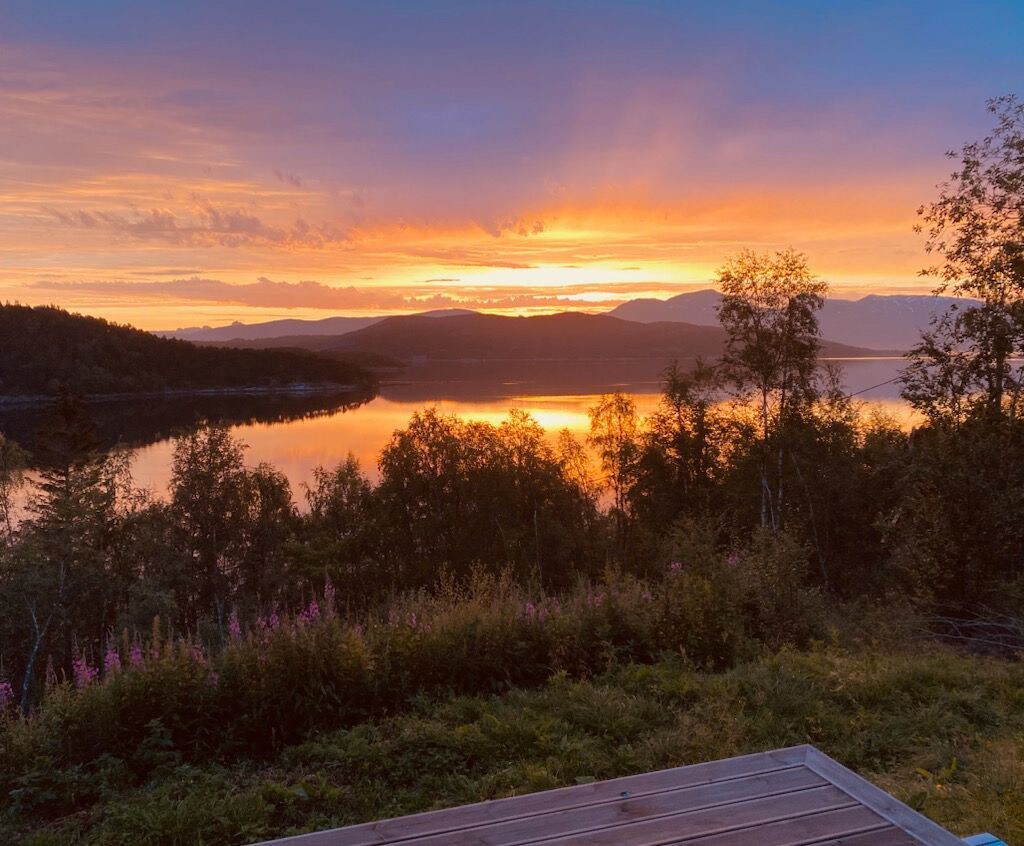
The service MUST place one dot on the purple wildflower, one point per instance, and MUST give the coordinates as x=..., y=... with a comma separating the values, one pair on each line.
x=135, y=655
x=111, y=660
x=6, y=695
x=268, y=624
x=311, y=614
x=234, y=627
x=733, y=560
x=329, y=593
x=675, y=567
x=84, y=673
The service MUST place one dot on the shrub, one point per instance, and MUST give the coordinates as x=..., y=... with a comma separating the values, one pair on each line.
x=287, y=675
x=779, y=605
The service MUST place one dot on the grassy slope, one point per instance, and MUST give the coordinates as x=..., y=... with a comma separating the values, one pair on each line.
x=942, y=732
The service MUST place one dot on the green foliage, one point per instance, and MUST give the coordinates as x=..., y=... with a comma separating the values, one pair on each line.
x=229, y=522
x=970, y=364
x=13, y=463
x=288, y=677
x=780, y=604
x=956, y=531
x=615, y=435
x=456, y=494
x=940, y=731
x=683, y=450
x=769, y=313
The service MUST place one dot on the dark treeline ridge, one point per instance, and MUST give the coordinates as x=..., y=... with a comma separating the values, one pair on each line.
x=45, y=348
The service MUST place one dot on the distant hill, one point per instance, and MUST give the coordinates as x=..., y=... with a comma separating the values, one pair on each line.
x=570, y=335
x=891, y=322
x=328, y=326
x=45, y=348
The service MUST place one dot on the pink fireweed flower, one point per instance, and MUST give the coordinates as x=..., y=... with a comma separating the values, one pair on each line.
x=135, y=655
x=6, y=695
x=733, y=559
x=530, y=611
x=311, y=614
x=675, y=567
x=196, y=653
x=268, y=624
x=234, y=627
x=111, y=660
x=84, y=673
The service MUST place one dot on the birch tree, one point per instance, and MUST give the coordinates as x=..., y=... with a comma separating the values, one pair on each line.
x=769, y=311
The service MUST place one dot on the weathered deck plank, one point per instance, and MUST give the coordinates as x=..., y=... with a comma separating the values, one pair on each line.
x=788, y=797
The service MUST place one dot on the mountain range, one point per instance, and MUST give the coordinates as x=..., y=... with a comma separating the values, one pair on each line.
x=473, y=337
x=892, y=322
x=287, y=328
x=876, y=322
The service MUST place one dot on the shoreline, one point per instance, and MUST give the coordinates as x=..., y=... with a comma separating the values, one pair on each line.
x=298, y=389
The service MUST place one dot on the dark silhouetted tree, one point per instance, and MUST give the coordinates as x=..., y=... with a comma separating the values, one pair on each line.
x=769, y=310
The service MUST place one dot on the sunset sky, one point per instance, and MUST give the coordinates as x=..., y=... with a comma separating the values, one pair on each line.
x=188, y=163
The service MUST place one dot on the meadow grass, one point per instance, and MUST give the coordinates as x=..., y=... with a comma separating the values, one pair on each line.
x=940, y=730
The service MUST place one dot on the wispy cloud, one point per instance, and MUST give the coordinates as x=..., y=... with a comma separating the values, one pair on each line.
x=205, y=225
x=310, y=294
x=287, y=178
x=263, y=293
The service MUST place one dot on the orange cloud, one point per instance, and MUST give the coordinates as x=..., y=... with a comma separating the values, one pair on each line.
x=110, y=175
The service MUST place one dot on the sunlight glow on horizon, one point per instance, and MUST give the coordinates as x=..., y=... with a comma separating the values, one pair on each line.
x=150, y=174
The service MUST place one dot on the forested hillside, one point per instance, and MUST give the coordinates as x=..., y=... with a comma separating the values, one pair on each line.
x=566, y=336
x=45, y=348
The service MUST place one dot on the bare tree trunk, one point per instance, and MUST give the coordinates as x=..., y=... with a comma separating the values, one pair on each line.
x=766, y=491
x=30, y=666
x=780, y=458
x=822, y=562
x=777, y=522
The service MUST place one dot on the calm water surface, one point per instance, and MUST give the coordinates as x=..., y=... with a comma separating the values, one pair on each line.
x=299, y=440
x=295, y=447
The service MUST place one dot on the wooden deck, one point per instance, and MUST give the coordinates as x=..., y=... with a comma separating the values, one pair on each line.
x=790, y=797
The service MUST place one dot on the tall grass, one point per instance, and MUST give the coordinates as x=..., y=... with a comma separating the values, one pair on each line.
x=281, y=677
x=941, y=731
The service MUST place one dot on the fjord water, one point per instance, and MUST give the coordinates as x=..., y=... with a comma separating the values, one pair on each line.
x=296, y=446
x=298, y=434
